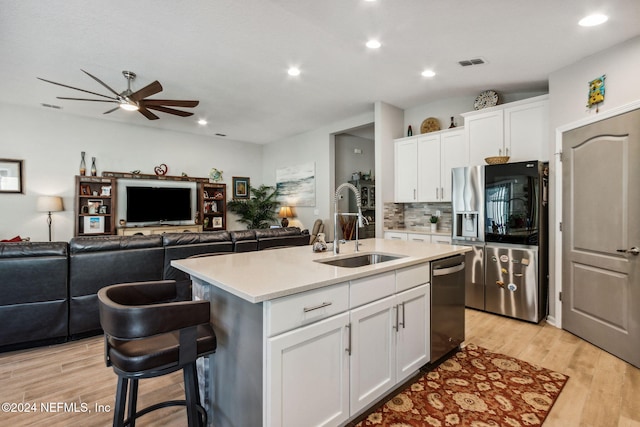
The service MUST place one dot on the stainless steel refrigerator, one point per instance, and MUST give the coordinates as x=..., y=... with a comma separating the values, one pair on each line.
x=507, y=270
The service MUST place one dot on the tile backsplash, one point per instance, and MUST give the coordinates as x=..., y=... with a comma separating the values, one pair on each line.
x=409, y=215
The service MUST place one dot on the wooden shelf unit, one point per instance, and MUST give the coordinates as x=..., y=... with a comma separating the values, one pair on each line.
x=95, y=206
x=212, y=206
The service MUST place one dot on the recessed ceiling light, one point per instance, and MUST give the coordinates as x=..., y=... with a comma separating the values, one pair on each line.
x=293, y=71
x=202, y=122
x=373, y=44
x=428, y=73
x=593, y=20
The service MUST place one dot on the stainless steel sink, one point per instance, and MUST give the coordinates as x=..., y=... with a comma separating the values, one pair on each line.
x=359, y=260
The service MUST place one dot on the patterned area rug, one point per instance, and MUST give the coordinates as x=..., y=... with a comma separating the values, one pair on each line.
x=475, y=388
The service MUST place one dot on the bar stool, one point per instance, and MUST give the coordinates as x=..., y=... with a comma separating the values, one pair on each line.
x=149, y=333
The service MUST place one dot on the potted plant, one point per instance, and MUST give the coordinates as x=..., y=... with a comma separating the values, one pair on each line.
x=434, y=223
x=259, y=210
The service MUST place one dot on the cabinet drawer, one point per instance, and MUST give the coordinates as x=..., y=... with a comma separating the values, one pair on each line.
x=394, y=235
x=436, y=238
x=291, y=312
x=424, y=238
x=410, y=277
x=368, y=289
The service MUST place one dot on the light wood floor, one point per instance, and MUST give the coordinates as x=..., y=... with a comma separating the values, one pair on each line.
x=602, y=390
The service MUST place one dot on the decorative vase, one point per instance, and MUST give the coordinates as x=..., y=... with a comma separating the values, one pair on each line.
x=94, y=171
x=434, y=227
x=83, y=165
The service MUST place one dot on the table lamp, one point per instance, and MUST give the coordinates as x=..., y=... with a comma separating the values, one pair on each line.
x=285, y=211
x=49, y=204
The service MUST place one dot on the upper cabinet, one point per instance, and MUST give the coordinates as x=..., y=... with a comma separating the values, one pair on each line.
x=518, y=129
x=423, y=165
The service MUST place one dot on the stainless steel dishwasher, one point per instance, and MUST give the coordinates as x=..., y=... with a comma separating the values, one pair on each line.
x=447, y=305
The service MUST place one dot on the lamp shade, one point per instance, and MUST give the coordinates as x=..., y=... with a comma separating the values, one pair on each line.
x=49, y=204
x=285, y=212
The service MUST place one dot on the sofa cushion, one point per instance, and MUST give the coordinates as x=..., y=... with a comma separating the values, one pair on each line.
x=34, y=300
x=95, y=262
x=244, y=240
x=184, y=245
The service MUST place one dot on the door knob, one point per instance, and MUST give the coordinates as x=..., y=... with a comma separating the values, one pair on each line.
x=634, y=251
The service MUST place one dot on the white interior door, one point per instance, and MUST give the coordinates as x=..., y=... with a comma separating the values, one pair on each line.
x=601, y=234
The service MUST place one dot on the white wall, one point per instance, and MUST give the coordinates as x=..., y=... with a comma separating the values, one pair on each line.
x=568, y=92
x=313, y=146
x=444, y=109
x=50, y=143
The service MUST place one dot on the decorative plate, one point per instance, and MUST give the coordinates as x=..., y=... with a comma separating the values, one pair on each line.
x=430, y=125
x=488, y=98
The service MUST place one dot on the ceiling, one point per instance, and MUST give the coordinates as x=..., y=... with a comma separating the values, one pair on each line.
x=233, y=55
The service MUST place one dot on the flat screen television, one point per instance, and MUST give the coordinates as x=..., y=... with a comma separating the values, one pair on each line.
x=158, y=204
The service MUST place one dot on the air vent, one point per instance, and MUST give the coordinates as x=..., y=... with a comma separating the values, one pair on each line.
x=56, y=107
x=474, y=61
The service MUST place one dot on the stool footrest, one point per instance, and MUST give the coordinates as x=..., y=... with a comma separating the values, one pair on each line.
x=166, y=404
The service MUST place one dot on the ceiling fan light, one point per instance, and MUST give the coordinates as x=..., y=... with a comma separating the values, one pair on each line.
x=129, y=106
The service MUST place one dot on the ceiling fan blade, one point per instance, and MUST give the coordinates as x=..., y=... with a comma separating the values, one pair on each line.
x=85, y=99
x=101, y=82
x=112, y=110
x=171, y=103
x=75, y=88
x=170, y=110
x=148, y=114
x=148, y=90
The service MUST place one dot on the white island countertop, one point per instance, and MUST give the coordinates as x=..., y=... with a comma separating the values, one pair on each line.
x=269, y=274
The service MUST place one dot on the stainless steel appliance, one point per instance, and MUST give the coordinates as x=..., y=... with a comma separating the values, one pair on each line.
x=447, y=305
x=516, y=229
x=507, y=270
x=468, y=228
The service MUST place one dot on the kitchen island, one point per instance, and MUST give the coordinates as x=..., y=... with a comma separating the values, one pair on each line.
x=302, y=342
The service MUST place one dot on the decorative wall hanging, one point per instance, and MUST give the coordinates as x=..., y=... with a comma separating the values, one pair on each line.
x=596, y=92
x=240, y=187
x=161, y=170
x=297, y=185
x=215, y=175
x=10, y=176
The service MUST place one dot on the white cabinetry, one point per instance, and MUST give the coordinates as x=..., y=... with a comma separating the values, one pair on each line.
x=418, y=237
x=395, y=235
x=438, y=152
x=423, y=165
x=309, y=364
x=406, y=170
x=344, y=362
x=518, y=129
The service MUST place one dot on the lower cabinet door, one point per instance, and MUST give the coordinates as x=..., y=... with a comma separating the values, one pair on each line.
x=307, y=373
x=373, y=352
x=413, y=338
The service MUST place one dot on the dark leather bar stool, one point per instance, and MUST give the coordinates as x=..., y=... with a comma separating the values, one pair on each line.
x=149, y=333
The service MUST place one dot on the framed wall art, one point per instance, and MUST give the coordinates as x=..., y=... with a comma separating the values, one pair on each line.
x=241, y=187
x=11, y=176
x=297, y=185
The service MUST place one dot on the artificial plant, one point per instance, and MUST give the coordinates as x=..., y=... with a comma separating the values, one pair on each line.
x=259, y=210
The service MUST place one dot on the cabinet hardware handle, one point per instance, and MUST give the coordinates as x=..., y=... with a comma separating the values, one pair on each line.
x=324, y=304
x=447, y=270
x=397, y=309
x=414, y=194
x=436, y=193
x=402, y=315
x=441, y=193
x=348, y=349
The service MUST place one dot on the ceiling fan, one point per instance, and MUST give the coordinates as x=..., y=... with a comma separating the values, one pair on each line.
x=134, y=101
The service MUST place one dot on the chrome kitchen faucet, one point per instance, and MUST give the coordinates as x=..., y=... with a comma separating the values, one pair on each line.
x=361, y=220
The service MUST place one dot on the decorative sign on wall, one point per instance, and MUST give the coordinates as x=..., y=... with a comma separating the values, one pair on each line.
x=297, y=185
x=596, y=92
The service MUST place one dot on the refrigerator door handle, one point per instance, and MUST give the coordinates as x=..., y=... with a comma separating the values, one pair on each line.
x=448, y=270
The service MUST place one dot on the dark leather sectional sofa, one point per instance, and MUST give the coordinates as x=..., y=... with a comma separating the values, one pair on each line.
x=48, y=290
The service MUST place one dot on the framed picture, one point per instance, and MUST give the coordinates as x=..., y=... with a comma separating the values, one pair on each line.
x=240, y=187
x=217, y=222
x=11, y=176
x=102, y=209
x=93, y=225
x=85, y=190
x=94, y=206
x=106, y=191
